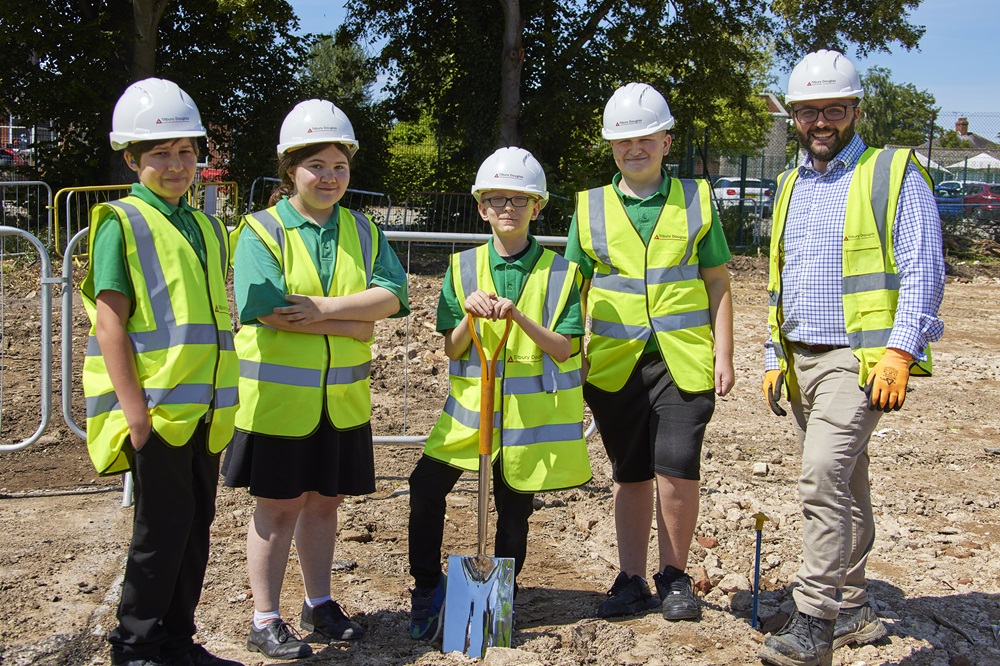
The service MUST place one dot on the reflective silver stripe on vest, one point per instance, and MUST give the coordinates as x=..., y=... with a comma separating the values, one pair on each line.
x=779, y=351
x=564, y=381
x=280, y=374
x=226, y=341
x=152, y=271
x=182, y=394
x=692, y=206
x=164, y=338
x=782, y=179
x=466, y=417
x=228, y=396
x=365, y=236
x=880, y=191
x=664, y=275
x=856, y=284
x=472, y=367
x=598, y=229
x=773, y=297
x=554, y=432
x=618, y=331
x=677, y=322
x=217, y=228
x=349, y=375
x=274, y=229
x=867, y=339
x=618, y=283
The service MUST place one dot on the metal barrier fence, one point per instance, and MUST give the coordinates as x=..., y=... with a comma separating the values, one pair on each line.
x=25, y=205
x=458, y=213
x=218, y=198
x=72, y=210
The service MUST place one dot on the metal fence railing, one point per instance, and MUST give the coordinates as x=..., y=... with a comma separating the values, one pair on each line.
x=25, y=205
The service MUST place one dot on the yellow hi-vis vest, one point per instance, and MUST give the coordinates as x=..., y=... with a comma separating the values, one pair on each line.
x=180, y=330
x=870, y=281
x=287, y=377
x=641, y=290
x=538, y=417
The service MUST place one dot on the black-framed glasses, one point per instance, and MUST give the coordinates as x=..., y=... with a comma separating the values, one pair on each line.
x=832, y=113
x=518, y=201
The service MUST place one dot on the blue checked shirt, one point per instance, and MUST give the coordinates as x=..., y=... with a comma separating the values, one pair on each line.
x=811, y=294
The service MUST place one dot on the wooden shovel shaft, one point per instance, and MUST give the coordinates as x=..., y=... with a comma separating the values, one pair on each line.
x=486, y=397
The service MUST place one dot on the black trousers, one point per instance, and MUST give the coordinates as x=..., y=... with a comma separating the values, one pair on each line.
x=174, y=495
x=430, y=483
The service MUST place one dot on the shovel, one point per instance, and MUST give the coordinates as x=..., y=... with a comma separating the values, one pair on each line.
x=760, y=519
x=480, y=591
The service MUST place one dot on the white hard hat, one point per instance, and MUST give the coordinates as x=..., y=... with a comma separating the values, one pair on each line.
x=153, y=110
x=823, y=75
x=511, y=169
x=636, y=109
x=316, y=121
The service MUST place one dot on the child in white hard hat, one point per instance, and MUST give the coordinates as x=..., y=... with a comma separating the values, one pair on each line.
x=155, y=289
x=311, y=278
x=539, y=443
x=653, y=256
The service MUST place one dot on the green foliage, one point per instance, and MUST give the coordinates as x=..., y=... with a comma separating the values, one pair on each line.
x=894, y=113
x=340, y=71
x=413, y=166
x=68, y=62
x=952, y=139
x=710, y=59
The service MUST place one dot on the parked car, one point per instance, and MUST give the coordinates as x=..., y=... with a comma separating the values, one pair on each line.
x=982, y=201
x=951, y=188
x=9, y=158
x=757, y=196
x=950, y=201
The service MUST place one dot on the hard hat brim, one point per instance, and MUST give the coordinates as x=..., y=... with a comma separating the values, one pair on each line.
x=121, y=141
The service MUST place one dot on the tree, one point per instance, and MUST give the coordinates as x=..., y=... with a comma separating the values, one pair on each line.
x=894, y=113
x=340, y=71
x=460, y=61
x=68, y=61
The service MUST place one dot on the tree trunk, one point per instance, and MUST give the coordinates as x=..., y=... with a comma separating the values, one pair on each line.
x=146, y=16
x=510, y=73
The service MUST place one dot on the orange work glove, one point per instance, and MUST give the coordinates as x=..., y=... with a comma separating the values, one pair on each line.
x=773, y=379
x=886, y=386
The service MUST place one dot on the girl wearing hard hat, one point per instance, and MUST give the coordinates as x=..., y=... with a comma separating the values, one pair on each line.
x=311, y=278
x=160, y=372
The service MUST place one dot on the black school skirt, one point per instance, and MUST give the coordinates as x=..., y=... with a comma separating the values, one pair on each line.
x=329, y=462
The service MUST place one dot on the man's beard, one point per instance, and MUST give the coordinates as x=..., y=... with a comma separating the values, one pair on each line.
x=825, y=153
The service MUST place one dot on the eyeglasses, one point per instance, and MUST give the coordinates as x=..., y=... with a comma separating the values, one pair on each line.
x=831, y=113
x=501, y=202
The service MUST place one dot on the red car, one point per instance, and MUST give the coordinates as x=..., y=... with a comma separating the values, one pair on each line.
x=10, y=159
x=982, y=201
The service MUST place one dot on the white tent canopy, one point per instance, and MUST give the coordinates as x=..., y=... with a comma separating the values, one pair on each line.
x=933, y=165
x=979, y=162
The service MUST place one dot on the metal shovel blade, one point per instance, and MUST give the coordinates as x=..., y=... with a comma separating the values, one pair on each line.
x=479, y=599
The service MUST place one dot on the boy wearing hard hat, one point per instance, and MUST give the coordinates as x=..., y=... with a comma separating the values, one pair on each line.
x=311, y=277
x=160, y=372
x=855, y=284
x=653, y=257
x=539, y=443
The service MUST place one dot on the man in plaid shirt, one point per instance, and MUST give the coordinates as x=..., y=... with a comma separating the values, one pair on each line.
x=856, y=280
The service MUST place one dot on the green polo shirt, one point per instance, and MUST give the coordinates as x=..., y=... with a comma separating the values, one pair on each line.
x=259, y=284
x=110, y=268
x=712, y=249
x=509, y=278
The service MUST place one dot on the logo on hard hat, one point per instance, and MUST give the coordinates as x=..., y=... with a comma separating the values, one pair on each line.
x=175, y=119
x=322, y=128
x=512, y=176
x=637, y=121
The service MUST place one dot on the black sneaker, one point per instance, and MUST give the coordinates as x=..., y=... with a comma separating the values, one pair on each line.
x=677, y=594
x=277, y=640
x=199, y=656
x=803, y=641
x=330, y=621
x=627, y=596
x=858, y=625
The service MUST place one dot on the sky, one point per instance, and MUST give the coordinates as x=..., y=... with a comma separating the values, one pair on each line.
x=956, y=61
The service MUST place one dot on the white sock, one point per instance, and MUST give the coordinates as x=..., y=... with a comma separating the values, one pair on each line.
x=312, y=603
x=260, y=620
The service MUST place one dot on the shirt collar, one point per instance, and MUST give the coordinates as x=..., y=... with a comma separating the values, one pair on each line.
x=524, y=262
x=663, y=190
x=846, y=158
x=292, y=218
x=154, y=200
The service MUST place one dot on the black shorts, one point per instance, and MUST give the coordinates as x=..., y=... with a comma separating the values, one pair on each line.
x=329, y=461
x=651, y=426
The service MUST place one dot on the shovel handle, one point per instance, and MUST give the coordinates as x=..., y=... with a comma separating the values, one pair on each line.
x=488, y=388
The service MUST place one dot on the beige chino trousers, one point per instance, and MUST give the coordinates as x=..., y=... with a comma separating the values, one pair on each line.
x=834, y=426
